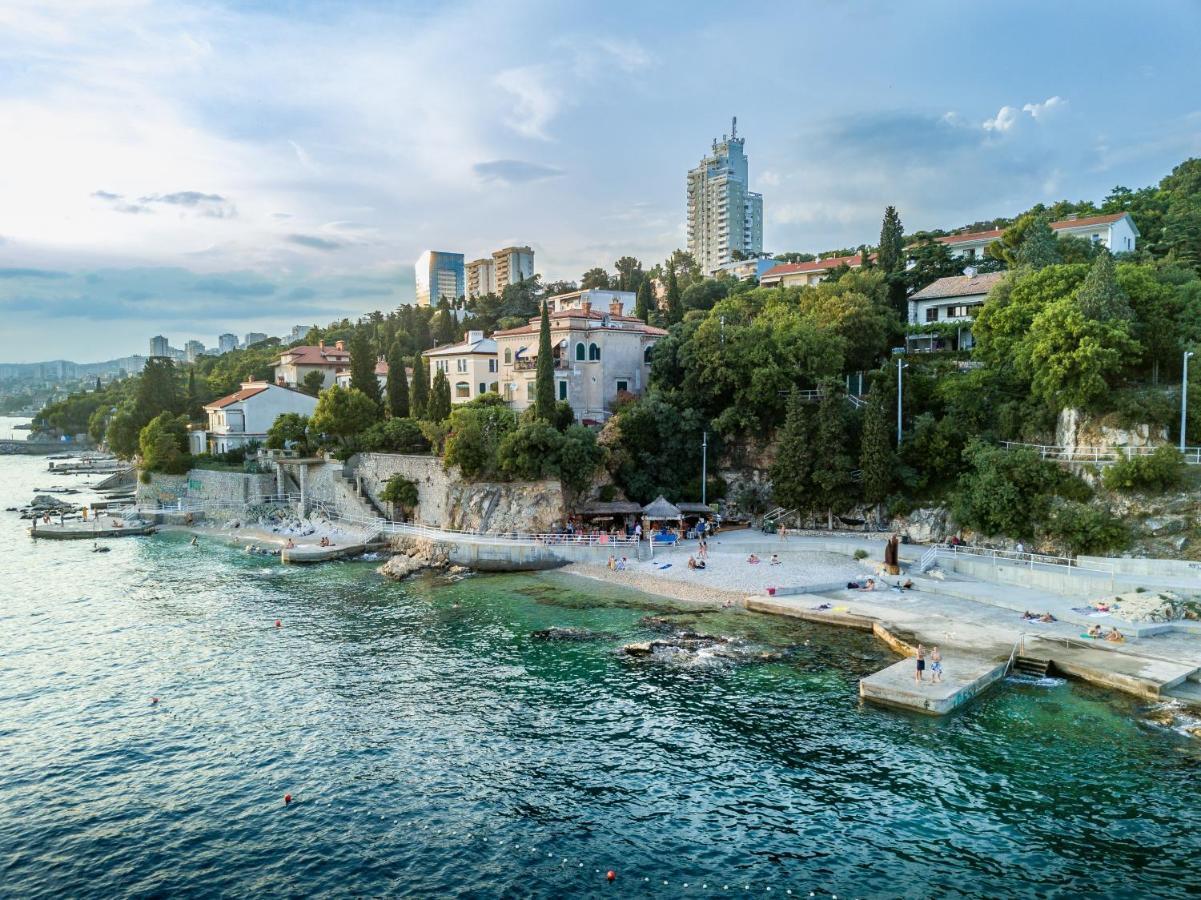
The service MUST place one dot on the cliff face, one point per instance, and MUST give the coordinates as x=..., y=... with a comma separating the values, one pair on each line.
x=1074, y=429
x=447, y=500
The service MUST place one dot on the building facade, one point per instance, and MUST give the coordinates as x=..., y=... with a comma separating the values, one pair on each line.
x=160, y=346
x=492, y=274
x=296, y=362
x=1116, y=232
x=599, y=298
x=480, y=277
x=193, y=350
x=438, y=275
x=246, y=415
x=746, y=269
x=597, y=356
x=724, y=215
x=806, y=273
x=470, y=367
x=941, y=314
x=227, y=342
x=253, y=337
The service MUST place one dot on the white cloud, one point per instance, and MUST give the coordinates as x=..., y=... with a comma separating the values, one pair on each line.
x=1009, y=116
x=628, y=54
x=537, y=101
x=1045, y=109
x=1003, y=121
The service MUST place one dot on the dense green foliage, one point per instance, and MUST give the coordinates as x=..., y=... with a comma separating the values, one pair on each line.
x=1082, y=528
x=420, y=398
x=1010, y=492
x=343, y=414
x=438, y=407
x=289, y=431
x=544, y=374
x=163, y=444
x=397, y=387
x=1162, y=470
x=395, y=435
x=401, y=492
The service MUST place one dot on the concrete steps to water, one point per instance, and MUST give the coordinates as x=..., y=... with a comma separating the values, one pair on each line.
x=1031, y=667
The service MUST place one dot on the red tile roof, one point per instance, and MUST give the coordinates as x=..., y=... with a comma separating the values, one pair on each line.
x=311, y=355
x=1055, y=226
x=535, y=323
x=817, y=265
x=237, y=396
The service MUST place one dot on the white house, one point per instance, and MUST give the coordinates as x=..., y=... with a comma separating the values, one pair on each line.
x=342, y=378
x=597, y=298
x=296, y=362
x=955, y=299
x=598, y=356
x=470, y=366
x=246, y=415
x=746, y=269
x=801, y=274
x=1115, y=231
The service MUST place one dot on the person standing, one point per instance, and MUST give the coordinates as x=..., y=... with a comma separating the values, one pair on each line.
x=638, y=531
x=935, y=664
x=919, y=671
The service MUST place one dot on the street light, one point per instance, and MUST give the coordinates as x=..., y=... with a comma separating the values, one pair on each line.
x=1184, y=399
x=901, y=365
x=704, y=464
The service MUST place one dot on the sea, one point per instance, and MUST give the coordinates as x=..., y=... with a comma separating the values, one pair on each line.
x=154, y=715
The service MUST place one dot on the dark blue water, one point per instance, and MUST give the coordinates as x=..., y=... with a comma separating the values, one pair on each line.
x=435, y=748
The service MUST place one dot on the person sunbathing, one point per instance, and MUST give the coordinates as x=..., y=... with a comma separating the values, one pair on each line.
x=1115, y=636
x=869, y=585
x=752, y=559
x=291, y=544
x=1095, y=633
x=908, y=585
x=621, y=564
x=775, y=559
x=1046, y=617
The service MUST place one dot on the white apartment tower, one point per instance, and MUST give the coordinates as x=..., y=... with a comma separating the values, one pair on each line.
x=723, y=214
x=490, y=275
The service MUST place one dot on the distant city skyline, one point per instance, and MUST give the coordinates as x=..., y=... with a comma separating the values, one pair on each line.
x=187, y=168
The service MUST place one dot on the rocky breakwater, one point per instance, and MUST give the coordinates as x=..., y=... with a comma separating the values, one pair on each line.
x=680, y=644
x=416, y=556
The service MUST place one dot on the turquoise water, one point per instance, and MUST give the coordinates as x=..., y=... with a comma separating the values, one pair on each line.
x=435, y=748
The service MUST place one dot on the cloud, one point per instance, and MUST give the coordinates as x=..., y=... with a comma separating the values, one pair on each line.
x=629, y=55
x=212, y=205
x=1046, y=108
x=227, y=288
x=514, y=171
x=105, y=195
x=536, y=100
x=313, y=242
x=117, y=203
x=1003, y=121
x=348, y=293
x=32, y=273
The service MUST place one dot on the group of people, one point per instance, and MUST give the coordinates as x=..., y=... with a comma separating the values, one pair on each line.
x=1099, y=634
x=1035, y=617
x=617, y=565
x=935, y=659
x=754, y=559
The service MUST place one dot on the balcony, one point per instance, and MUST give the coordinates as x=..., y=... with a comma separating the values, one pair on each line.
x=528, y=365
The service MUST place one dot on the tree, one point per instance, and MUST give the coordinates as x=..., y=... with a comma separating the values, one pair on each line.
x=646, y=301
x=476, y=433
x=438, y=407
x=402, y=493
x=158, y=390
x=397, y=387
x=531, y=451
x=362, y=366
x=792, y=472
x=1182, y=230
x=1039, y=247
x=121, y=435
x=421, y=388
x=544, y=374
x=891, y=255
x=629, y=273
x=445, y=331
x=1005, y=492
x=579, y=457
x=289, y=430
x=395, y=435
x=313, y=382
x=833, y=474
x=1100, y=296
x=1083, y=528
x=343, y=413
x=163, y=444
x=876, y=458
x=675, y=307
x=594, y=278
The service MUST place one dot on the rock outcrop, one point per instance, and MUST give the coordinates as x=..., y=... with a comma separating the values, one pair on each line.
x=1074, y=429
x=414, y=556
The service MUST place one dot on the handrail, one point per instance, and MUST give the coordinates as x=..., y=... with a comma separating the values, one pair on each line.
x=1019, y=556
x=1192, y=455
x=1013, y=653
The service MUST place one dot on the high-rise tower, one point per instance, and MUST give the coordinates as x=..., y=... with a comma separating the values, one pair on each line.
x=724, y=215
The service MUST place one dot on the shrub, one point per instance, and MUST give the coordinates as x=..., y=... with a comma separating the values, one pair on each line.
x=860, y=554
x=1162, y=470
x=1082, y=528
x=401, y=492
x=476, y=432
x=163, y=444
x=398, y=435
x=1008, y=492
x=531, y=451
x=579, y=457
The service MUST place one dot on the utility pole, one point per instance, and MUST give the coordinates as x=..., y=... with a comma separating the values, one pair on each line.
x=1184, y=399
x=704, y=465
x=900, y=367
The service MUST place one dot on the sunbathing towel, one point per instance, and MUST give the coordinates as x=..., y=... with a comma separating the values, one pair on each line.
x=668, y=566
x=841, y=608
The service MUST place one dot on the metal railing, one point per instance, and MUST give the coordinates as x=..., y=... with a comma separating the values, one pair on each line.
x=1192, y=455
x=1015, y=557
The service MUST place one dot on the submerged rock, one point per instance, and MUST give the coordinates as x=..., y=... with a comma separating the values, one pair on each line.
x=568, y=634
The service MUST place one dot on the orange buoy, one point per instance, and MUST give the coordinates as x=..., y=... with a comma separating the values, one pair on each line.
x=279, y=624
x=611, y=875
x=287, y=799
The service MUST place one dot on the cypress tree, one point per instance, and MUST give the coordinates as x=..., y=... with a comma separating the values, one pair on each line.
x=792, y=472
x=832, y=475
x=1039, y=246
x=544, y=374
x=646, y=300
x=891, y=256
x=876, y=458
x=675, y=306
x=398, y=384
x=439, y=402
x=421, y=388
x=1100, y=296
x=362, y=365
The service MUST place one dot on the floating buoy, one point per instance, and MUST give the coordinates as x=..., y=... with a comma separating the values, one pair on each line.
x=611, y=875
x=153, y=700
x=279, y=624
x=287, y=799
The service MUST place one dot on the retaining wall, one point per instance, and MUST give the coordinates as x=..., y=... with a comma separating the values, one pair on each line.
x=162, y=490
x=1071, y=582
x=209, y=486
x=1173, y=568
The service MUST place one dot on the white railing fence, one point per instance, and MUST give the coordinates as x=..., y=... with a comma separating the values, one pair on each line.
x=1100, y=455
x=1013, y=557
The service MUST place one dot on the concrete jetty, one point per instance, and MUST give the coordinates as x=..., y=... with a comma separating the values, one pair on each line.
x=81, y=530
x=964, y=677
x=314, y=553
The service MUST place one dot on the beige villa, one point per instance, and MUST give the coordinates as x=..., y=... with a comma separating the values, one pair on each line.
x=470, y=367
x=296, y=362
x=597, y=356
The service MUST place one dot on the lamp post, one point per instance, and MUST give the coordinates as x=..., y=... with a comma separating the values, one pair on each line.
x=901, y=365
x=704, y=464
x=1184, y=399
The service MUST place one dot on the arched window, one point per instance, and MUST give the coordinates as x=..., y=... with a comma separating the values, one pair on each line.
x=579, y=351
x=593, y=352
x=646, y=354
x=508, y=356
x=462, y=389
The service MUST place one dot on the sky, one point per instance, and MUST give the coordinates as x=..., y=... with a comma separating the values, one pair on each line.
x=189, y=169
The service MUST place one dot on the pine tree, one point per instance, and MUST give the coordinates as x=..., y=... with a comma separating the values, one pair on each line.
x=675, y=306
x=832, y=474
x=645, y=302
x=421, y=388
x=398, y=384
x=97, y=384
x=362, y=365
x=876, y=458
x=1100, y=296
x=1039, y=246
x=544, y=374
x=792, y=472
x=439, y=402
x=891, y=255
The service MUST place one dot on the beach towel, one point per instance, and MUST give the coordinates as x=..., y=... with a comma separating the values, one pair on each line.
x=668, y=566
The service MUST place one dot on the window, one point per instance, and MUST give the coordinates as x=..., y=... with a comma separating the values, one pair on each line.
x=529, y=391
x=462, y=389
x=508, y=356
x=483, y=388
x=962, y=311
x=492, y=365
x=441, y=365
x=932, y=314
x=971, y=253
x=579, y=351
x=593, y=352
x=646, y=354
x=622, y=385
x=495, y=388
x=460, y=365
x=562, y=390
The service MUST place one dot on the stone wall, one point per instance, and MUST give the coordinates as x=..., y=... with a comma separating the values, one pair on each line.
x=208, y=486
x=162, y=490
x=446, y=500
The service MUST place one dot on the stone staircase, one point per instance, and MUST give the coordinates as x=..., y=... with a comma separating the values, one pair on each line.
x=1030, y=667
x=353, y=489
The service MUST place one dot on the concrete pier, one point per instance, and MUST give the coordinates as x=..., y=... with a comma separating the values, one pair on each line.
x=964, y=677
